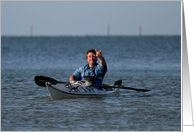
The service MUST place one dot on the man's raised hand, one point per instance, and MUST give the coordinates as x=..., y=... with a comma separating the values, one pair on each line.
x=98, y=53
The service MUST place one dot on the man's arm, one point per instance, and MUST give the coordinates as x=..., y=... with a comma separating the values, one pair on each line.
x=102, y=61
x=76, y=75
x=71, y=78
x=101, y=58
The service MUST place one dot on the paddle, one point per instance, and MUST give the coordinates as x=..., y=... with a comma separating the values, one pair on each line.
x=41, y=80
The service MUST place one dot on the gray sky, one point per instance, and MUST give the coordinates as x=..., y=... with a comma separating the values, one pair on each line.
x=91, y=17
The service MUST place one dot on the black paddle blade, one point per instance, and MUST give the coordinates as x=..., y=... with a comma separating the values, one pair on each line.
x=41, y=80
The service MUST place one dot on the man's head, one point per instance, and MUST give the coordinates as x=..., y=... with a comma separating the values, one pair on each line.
x=91, y=57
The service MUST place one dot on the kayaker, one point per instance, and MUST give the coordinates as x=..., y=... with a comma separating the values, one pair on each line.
x=92, y=69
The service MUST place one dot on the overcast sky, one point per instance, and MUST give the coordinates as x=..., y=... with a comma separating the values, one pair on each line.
x=90, y=17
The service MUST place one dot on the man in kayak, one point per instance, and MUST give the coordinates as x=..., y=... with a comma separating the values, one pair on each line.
x=92, y=69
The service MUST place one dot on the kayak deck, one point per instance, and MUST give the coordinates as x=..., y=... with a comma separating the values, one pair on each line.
x=60, y=91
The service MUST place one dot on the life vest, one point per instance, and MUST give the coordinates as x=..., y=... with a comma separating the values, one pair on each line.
x=92, y=72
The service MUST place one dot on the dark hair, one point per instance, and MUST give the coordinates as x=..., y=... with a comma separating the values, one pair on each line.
x=91, y=50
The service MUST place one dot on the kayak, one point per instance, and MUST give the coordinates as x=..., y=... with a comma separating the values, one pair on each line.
x=60, y=91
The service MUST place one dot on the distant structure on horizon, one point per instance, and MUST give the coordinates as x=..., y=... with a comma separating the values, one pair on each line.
x=140, y=30
x=108, y=29
x=31, y=30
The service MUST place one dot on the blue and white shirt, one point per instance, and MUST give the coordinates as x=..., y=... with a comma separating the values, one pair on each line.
x=97, y=71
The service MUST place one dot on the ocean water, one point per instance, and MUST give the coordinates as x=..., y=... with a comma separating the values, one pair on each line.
x=146, y=62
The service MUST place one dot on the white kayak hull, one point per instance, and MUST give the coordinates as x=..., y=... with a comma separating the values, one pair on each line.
x=60, y=91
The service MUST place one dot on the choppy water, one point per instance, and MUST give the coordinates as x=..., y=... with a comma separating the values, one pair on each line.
x=147, y=62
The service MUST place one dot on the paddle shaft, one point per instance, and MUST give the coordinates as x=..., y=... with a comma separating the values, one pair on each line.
x=41, y=80
x=121, y=87
x=55, y=82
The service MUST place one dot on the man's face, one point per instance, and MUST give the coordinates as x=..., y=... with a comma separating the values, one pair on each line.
x=91, y=58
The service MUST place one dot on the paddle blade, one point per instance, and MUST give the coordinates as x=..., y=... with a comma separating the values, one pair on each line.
x=41, y=80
